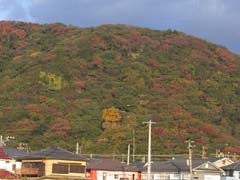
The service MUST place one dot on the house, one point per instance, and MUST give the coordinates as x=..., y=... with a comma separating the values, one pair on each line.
x=53, y=163
x=6, y=162
x=106, y=169
x=179, y=169
x=232, y=171
x=15, y=154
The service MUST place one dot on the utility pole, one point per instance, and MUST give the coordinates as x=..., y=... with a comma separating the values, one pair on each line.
x=134, y=146
x=204, y=152
x=1, y=140
x=190, y=146
x=149, y=148
x=128, y=156
x=77, y=148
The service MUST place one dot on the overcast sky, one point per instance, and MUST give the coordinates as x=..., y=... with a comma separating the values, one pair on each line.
x=214, y=20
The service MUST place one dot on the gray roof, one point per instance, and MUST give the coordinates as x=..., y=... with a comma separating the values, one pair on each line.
x=139, y=165
x=212, y=159
x=167, y=166
x=110, y=165
x=14, y=153
x=181, y=163
x=53, y=153
x=235, y=166
x=175, y=165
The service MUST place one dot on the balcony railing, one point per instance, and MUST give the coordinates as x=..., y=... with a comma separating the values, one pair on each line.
x=31, y=172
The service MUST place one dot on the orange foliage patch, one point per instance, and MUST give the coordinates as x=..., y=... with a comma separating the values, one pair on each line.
x=232, y=149
x=161, y=131
x=98, y=42
x=111, y=114
x=229, y=67
x=17, y=58
x=58, y=29
x=180, y=113
x=53, y=110
x=201, y=141
x=79, y=84
x=97, y=61
x=19, y=33
x=42, y=99
x=60, y=127
x=7, y=28
x=153, y=63
x=32, y=108
x=7, y=109
x=209, y=129
x=22, y=44
x=52, y=57
x=24, y=126
x=225, y=54
x=118, y=59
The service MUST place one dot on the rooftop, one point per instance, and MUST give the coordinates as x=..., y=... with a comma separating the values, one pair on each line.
x=3, y=155
x=14, y=153
x=52, y=153
x=235, y=166
x=4, y=174
x=110, y=165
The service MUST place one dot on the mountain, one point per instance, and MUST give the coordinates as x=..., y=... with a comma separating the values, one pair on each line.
x=96, y=86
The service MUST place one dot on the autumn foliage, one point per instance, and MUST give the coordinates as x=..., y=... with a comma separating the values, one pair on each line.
x=111, y=114
x=63, y=84
x=60, y=127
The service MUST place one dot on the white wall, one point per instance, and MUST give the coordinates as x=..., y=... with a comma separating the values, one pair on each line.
x=110, y=175
x=165, y=176
x=236, y=174
x=7, y=164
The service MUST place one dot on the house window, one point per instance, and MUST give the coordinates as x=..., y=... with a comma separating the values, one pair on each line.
x=60, y=168
x=75, y=168
x=115, y=176
x=32, y=164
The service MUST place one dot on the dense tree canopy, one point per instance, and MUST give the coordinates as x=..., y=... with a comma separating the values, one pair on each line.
x=58, y=83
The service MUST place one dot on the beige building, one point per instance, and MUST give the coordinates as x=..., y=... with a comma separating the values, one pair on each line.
x=53, y=163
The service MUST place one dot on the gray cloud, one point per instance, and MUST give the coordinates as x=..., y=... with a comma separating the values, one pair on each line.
x=214, y=20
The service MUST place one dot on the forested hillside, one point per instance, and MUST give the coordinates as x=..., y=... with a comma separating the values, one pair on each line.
x=62, y=84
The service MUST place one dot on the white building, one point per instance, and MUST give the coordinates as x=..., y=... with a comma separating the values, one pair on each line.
x=6, y=162
x=232, y=171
